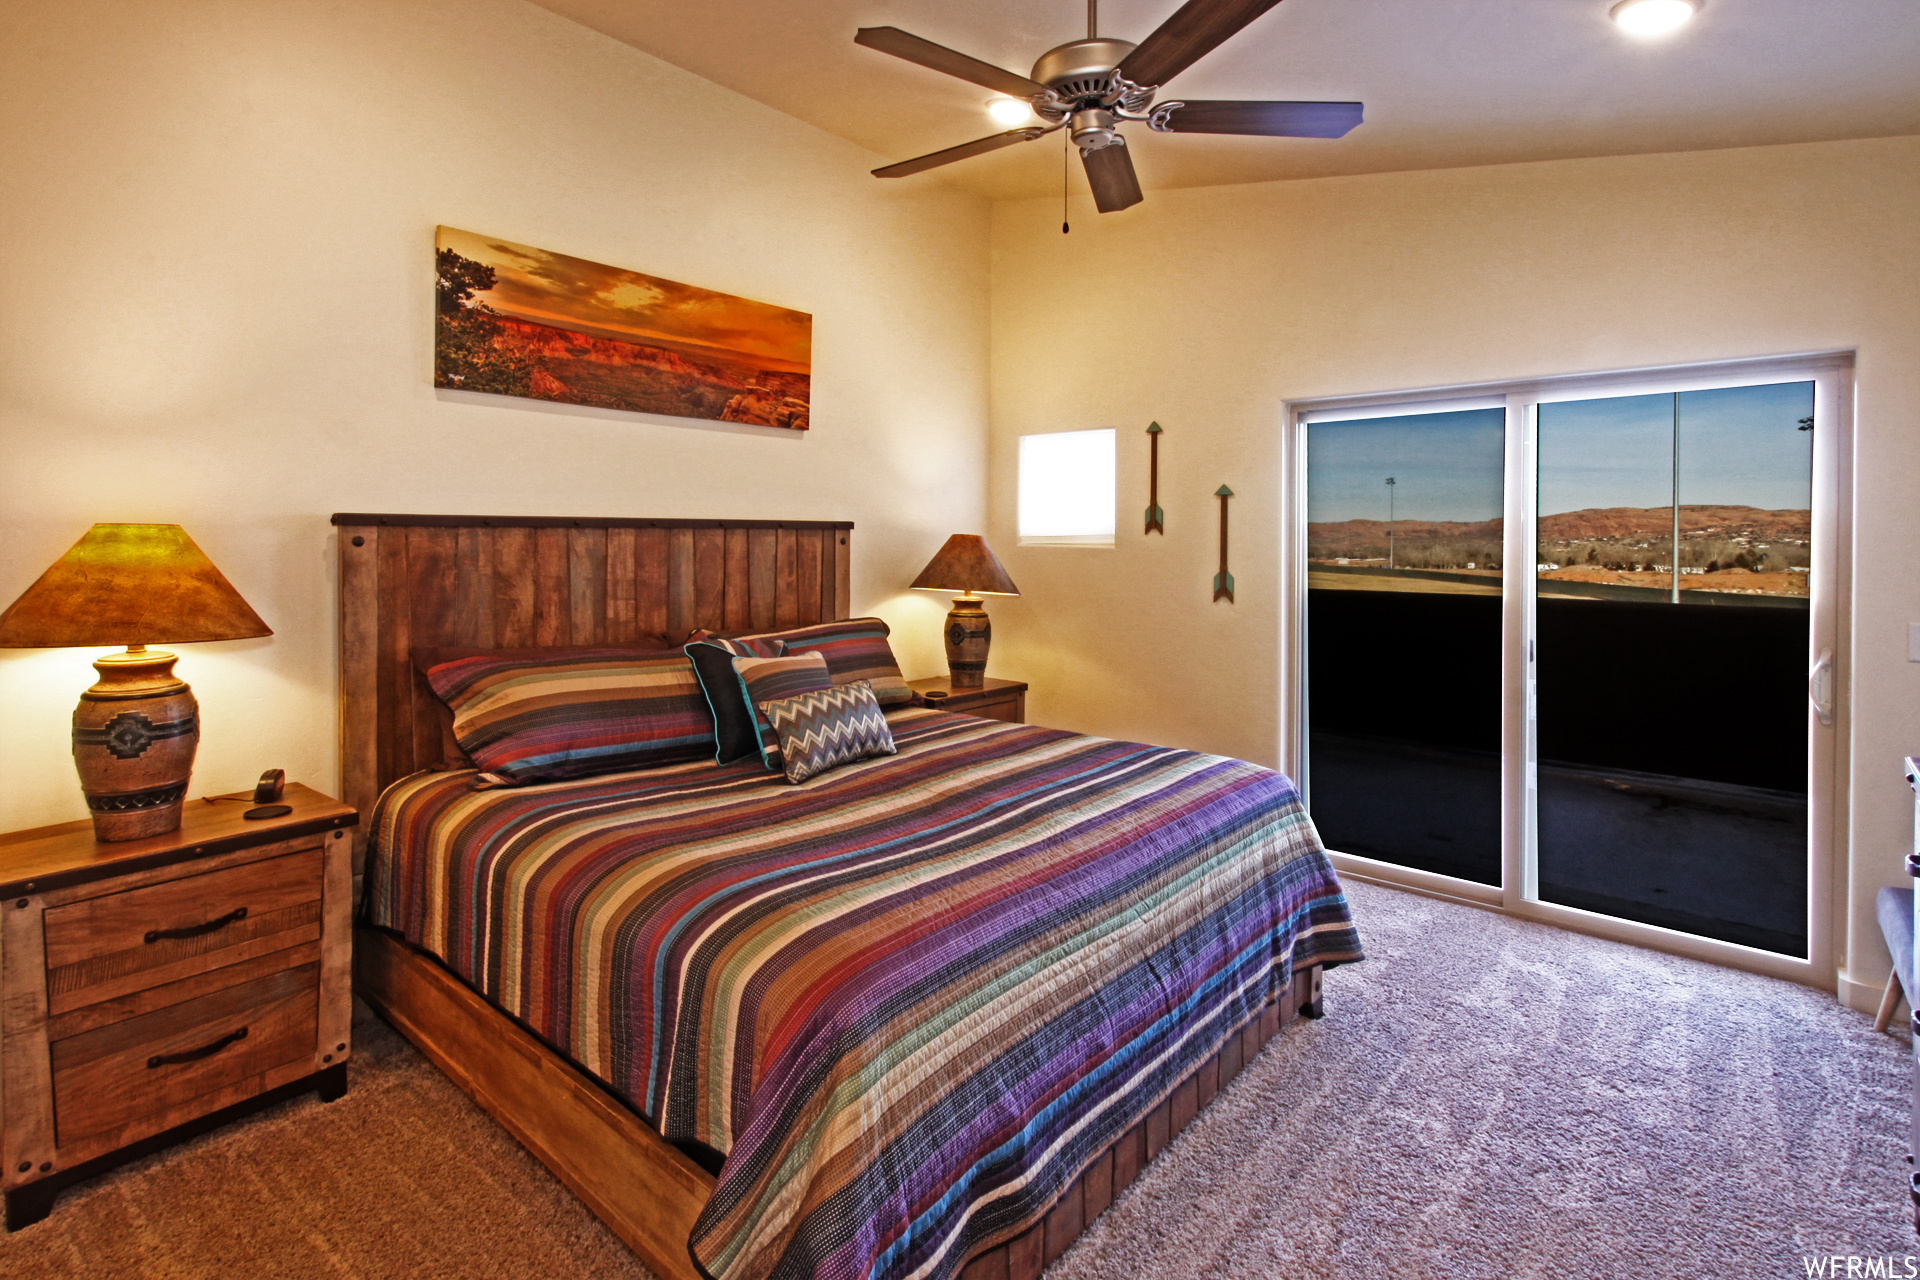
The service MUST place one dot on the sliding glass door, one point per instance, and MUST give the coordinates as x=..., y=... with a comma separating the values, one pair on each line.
x=1555, y=645
x=1403, y=635
x=1675, y=547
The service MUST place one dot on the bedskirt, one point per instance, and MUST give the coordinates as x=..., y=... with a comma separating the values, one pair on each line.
x=902, y=1005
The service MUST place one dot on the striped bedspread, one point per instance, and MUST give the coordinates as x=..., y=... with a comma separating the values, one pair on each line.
x=908, y=1000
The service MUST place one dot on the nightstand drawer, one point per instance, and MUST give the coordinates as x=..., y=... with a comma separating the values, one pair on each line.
x=1007, y=709
x=105, y=1078
x=119, y=943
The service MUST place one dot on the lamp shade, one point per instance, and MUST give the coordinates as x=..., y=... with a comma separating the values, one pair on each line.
x=966, y=563
x=129, y=584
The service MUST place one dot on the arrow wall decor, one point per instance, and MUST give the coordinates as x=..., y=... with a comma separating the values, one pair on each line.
x=1223, y=581
x=1156, y=518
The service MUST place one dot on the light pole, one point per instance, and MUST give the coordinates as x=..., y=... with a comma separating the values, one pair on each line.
x=1390, y=484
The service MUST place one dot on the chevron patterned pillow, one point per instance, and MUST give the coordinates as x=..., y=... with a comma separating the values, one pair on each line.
x=829, y=727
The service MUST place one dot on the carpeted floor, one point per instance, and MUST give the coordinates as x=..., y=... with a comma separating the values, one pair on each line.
x=1487, y=1098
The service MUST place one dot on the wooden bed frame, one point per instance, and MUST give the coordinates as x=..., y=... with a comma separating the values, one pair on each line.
x=410, y=582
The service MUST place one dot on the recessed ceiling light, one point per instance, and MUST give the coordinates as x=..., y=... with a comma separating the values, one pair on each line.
x=1011, y=112
x=1653, y=17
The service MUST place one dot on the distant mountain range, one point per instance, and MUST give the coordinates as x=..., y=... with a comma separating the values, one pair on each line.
x=1592, y=524
x=1597, y=523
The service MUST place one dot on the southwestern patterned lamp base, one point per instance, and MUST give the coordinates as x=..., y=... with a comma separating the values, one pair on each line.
x=134, y=737
x=968, y=634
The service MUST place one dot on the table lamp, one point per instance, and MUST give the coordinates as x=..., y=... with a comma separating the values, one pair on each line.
x=135, y=731
x=967, y=564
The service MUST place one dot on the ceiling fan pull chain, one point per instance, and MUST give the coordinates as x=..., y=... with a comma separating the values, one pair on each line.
x=1064, y=228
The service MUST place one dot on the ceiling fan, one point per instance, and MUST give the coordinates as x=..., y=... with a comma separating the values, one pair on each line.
x=1092, y=86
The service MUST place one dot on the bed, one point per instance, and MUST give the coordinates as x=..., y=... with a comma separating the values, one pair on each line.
x=924, y=1014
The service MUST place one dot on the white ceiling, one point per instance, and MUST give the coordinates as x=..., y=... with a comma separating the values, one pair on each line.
x=1446, y=83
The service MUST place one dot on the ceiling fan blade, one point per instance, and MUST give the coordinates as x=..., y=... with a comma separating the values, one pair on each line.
x=1110, y=174
x=965, y=151
x=1196, y=29
x=940, y=58
x=1271, y=119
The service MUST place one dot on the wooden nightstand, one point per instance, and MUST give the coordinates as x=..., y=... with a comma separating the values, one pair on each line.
x=997, y=700
x=153, y=989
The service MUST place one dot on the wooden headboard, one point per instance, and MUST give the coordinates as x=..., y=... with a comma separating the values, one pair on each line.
x=412, y=582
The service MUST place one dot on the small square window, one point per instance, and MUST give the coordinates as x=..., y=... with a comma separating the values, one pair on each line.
x=1066, y=489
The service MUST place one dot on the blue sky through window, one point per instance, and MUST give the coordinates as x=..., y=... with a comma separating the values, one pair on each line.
x=1446, y=466
x=1739, y=446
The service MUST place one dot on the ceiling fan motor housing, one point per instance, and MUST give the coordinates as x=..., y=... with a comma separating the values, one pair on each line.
x=1083, y=69
x=1082, y=84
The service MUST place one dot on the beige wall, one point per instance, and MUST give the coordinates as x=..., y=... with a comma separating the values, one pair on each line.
x=1207, y=309
x=217, y=226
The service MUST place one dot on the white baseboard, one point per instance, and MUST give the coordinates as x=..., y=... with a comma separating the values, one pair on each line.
x=1861, y=996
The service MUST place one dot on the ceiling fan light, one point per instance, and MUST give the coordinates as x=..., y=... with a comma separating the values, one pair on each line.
x=1011, y=112
x=1652, y=17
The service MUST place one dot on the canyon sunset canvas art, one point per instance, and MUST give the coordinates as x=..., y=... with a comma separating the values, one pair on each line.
x=518, y=321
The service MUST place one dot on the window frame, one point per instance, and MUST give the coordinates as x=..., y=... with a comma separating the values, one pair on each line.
x=1831, y=585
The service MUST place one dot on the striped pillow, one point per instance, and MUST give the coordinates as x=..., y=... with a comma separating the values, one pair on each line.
x=856, y=649
x=764, y=645
x=573, y=713
x=829, y=727
x=764, y=680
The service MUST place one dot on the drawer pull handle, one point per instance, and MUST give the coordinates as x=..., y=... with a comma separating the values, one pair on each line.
x=194, y=1055
x=196, y=930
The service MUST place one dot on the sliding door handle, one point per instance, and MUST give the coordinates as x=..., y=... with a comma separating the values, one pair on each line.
x=1820, y=686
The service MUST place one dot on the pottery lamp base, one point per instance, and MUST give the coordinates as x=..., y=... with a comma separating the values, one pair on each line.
x=134, y=737
x=967, y=635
